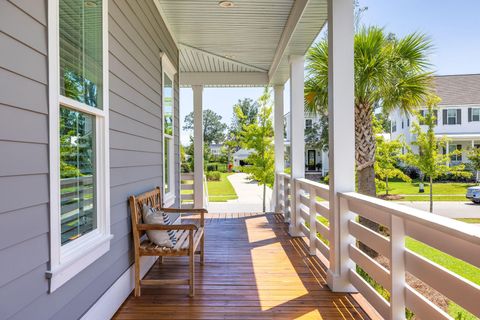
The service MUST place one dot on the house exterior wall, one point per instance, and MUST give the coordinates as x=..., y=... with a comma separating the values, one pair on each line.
x=463, y=133
x=321, y=157
x=137, y=35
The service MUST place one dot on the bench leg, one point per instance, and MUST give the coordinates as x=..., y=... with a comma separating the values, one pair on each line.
x=202, y=250
x=137, y=276
x=192, y=272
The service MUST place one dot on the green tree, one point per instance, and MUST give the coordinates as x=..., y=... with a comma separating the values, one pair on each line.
x=474, y=157
x=387, y=156
x=428, y=157
x=245, y=112
x=258, y=137
x=388, y=71
x=213, y=127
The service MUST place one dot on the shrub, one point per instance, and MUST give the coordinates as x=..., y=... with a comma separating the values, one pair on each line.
x=213, y=176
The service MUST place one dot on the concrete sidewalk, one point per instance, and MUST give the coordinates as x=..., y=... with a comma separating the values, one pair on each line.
x=249, y=197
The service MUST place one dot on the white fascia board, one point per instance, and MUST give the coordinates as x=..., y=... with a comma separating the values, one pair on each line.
x=287, y=34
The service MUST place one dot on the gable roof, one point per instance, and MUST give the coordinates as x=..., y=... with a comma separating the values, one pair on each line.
x=458, y=89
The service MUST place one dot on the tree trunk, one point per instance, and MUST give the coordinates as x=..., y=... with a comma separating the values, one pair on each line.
x=386, y=186
x=365, y=146
x=264, y=193
x=431, y=195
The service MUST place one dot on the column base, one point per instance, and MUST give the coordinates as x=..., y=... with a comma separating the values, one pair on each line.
x=338, y=283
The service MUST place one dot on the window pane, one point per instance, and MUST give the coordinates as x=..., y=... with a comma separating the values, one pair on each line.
x=168, y=104
x=166, y=178
x=81, y=51
x=476, y=114
x=77, y=174
x=452, y=116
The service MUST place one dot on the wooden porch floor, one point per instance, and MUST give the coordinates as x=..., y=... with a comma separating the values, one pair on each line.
x=253, y=270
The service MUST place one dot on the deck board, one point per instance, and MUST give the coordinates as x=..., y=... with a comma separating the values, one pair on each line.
x=253, y=270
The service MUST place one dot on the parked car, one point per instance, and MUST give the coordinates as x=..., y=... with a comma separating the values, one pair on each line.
x=473, y=193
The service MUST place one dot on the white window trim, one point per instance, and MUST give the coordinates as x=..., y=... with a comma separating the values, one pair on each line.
x=456, y=117
x=475, y=109
x=68, y=260
x=169, y=69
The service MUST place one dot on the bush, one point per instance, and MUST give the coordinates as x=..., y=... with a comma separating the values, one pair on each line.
x=213, y=176
x=412, y=172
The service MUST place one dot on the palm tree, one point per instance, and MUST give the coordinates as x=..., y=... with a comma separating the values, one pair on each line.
x=389, y=72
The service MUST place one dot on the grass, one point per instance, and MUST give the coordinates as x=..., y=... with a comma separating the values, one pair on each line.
x=469, y=220
x=453, y=264
x=219, y=191
x=452, y=191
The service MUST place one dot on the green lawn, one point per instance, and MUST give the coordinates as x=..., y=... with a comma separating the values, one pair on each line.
x=453, y=264
x=454, y=191
x=219, y=191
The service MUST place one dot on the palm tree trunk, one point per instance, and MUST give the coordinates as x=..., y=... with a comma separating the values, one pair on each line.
x=431, y=195
x=264, y=193
x=365, y=146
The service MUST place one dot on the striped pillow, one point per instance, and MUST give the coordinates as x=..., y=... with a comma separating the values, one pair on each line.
x=163, y=238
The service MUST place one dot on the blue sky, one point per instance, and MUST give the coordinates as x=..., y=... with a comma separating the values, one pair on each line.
x=453, y=27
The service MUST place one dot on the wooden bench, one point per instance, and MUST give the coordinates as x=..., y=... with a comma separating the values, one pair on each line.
x=189, y=238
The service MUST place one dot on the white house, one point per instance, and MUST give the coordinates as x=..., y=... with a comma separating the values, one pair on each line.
x=316, y=160
x=240, y=156
x=458, y=115
x=216, y=149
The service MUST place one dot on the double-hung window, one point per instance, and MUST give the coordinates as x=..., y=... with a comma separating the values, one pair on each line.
x=452, y=116
x=79, y=160
x=168, y=130
x=473, y=114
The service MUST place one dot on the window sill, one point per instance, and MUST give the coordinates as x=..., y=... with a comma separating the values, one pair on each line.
x=74, y=263
x=169, y=200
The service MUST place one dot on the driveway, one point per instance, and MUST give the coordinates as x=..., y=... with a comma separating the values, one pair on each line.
x=450, y=209
x=249, y=197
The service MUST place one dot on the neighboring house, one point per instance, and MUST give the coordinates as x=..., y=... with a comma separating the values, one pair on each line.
x=316, y=160
x=458, y=115
x=240, y=156
x=216, y=149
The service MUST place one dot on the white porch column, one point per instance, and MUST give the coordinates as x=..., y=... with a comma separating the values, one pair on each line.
x=297, y=137
x=278, y=139
x=198, y=197
x=341, y=138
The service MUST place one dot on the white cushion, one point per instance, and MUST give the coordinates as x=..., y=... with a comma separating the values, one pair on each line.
x=163, y=238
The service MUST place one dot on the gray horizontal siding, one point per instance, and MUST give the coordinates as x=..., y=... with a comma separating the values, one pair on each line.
x=137, y=35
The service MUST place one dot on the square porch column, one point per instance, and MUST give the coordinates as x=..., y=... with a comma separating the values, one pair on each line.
x=297, y=136
x=198, y=192
x=278, y=139
x=341, y=119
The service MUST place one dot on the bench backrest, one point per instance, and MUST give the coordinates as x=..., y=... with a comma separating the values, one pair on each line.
x=151, y=198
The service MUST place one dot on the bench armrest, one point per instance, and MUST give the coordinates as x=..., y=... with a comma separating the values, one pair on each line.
x=144, y=227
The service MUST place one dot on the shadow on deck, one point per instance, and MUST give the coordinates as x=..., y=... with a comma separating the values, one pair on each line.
x=253, y=270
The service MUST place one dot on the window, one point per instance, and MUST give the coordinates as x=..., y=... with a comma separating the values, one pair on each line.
x=457, y=148
x=168, y=130
x=423, y=114
x=308, y=123
x=79, y=163
x=394, y=126
x=452, y=116
x=473, y=114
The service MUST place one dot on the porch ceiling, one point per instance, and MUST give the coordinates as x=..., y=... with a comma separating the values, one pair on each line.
x=246, y=45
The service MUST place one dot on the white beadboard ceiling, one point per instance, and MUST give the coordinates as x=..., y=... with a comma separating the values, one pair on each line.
x=244, y=39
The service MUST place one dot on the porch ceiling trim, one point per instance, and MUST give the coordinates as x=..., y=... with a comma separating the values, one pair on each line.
x=292, y=22
x=219, y=79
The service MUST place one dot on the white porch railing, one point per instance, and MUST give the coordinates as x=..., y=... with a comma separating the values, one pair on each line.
x=283, y=194
x=188, y=197
x=454, y=238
